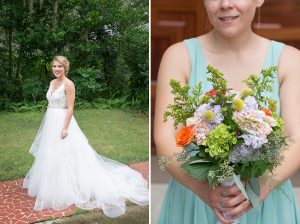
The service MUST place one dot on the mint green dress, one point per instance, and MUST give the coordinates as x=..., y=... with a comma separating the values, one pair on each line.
x=182, y=206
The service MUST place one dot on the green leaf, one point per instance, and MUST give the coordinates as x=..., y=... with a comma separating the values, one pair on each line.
x=198, y=171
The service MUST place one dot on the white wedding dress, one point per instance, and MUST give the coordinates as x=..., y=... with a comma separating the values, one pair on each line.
x=69, y=171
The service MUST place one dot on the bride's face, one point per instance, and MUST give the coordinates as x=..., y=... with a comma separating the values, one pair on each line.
x=231, y=17
x=58, y=69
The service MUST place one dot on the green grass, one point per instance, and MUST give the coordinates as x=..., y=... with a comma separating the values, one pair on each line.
x=120, y=135
x=134, y=215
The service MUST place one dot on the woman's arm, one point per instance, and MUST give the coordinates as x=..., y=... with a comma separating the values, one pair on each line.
x=70, y=92
x=289, y=73
x=175, y=65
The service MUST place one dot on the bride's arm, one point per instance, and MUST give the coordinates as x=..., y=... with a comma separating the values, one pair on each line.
x=175, y=65
x=70, y=92
x=289, y=73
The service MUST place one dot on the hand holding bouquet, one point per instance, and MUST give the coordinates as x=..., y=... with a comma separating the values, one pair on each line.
x=227, y=135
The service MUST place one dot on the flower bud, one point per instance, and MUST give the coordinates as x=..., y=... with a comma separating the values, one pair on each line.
x=246, y=92
x=237, y=104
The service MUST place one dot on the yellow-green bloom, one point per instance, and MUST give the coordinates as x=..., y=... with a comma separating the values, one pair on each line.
x=208, y=115
x=273, y=106
x=219, y=141
x=246, y=92
x=237, y=104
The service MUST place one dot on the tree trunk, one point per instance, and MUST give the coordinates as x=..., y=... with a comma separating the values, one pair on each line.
x=10, y=53
x=19, y=61
x=41, y=4
x=31, y=9
x=45, y=67
x=55, y=13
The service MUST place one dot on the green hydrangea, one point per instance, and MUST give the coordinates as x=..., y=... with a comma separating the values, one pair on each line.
x=219, y=141
x=280, y=122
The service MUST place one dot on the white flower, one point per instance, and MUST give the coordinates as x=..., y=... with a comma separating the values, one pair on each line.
x=271, y=121
x=191, y=121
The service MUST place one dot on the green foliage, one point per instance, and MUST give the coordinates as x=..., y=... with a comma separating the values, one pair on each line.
x=85, y=80
x=216, y=78
x=184, y=103
x=32, y=88
x=27, y=107
x=251, y=170
x=261, y=84
x=101, y=103
x=198, y=170
x=106, y=42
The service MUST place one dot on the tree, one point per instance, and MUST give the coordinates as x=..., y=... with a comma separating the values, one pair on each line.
x=106, y=42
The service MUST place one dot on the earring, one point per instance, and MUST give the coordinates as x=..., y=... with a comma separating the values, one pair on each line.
x=258, y=18
x=206, y=23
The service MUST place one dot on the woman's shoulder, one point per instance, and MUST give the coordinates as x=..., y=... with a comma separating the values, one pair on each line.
x=69, y=83
x=290, y=51
x=52, y=81
x=177, y=49
x=289, y=63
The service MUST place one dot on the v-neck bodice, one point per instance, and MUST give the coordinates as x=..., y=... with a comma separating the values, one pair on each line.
x=199, y=66
x=57, y=98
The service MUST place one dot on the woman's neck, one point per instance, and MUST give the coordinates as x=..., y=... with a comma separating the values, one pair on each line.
x=239, y=43
x=61, y=79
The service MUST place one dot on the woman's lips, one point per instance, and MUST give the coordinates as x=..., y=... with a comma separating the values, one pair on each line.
x=228, y=19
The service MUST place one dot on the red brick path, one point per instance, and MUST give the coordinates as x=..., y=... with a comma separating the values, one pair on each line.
x=16, y=207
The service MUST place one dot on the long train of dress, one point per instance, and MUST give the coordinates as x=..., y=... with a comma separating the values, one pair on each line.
x=68, y=171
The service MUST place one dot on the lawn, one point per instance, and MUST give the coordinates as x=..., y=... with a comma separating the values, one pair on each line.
x=120, y=135
x=134, y=215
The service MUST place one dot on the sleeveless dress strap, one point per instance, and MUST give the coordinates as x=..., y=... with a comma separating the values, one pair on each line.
x=272, y=59
x=274, y=54
x=197, y=62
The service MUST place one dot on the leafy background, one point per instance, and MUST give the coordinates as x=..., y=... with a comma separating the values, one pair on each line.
x=106, y=42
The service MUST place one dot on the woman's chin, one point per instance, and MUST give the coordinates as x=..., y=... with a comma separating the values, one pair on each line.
x=58, y=75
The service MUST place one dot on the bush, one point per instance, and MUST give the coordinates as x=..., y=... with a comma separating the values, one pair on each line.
x=85, y=80
x=32, y=89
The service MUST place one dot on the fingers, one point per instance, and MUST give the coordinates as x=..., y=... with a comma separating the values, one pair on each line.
x=230, y=202
x=244, y=208
x=230, y=191
x=221, y=218
x=240, y=209
x=63, y=135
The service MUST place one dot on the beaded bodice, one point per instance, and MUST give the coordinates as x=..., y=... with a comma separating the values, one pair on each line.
x=57, y=98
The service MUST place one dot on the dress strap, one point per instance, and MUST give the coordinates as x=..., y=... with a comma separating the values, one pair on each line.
x=274, y=53
x=197, y=62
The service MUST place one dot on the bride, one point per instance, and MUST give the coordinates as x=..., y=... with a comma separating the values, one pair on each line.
x=66, y=169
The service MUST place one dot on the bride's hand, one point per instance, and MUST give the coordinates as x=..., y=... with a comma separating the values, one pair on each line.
x=64, y=134
x=229, y=199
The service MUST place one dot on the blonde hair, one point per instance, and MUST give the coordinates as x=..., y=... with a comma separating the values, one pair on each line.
x=63, y=60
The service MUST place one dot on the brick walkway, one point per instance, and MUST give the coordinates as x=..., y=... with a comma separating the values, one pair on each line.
x=16, y=207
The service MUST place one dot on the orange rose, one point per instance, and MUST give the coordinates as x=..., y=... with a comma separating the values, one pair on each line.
x=267, y=112
x=185, y=135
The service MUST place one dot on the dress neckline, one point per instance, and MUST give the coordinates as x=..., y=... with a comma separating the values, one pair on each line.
x=54, y=90
x=265, y=62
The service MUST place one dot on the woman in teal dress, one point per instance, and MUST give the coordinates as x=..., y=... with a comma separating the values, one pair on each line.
x=237, y=51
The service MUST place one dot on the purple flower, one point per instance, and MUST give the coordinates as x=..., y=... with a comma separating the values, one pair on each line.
x=250, y=103
x=243, y=153
x=254, y=141
x=217, y=111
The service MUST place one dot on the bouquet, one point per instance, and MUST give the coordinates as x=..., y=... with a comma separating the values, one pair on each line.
x=227, y=135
